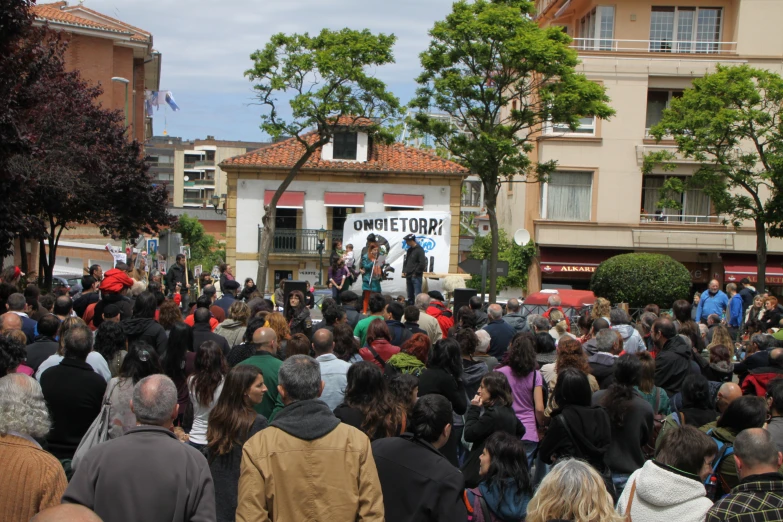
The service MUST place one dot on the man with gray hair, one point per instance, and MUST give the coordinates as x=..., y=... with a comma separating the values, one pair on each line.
x=759, y=495
x=514, y=316
x=17, y=304
x=601, y=362
x=556, y=303
x=541, y=325
x=147, y=474
x=481, y=350
x=426, y=322
x=32, y=479
x=621, y=322
x=338, y=479
x=499, y=331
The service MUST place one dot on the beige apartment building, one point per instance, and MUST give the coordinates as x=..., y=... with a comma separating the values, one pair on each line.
x=598, y=203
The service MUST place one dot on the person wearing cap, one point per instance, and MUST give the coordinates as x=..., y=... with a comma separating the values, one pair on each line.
x=230, y=288
x=413, y=267
x=111, y=313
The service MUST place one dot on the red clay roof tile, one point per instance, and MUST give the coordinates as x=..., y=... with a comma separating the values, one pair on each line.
x=382, y=158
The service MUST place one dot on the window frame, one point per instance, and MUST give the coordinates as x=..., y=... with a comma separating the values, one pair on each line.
x=544, y=195
x=590, y=29
x=670, y=96
x=691, y=45
x=342, y=150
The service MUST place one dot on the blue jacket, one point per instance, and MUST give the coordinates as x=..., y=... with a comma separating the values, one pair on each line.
x=711, y=304
x=735, y=311
x=511, y=506
x=500, y=334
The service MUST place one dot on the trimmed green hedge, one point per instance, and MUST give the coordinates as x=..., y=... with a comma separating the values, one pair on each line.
x=642, y=279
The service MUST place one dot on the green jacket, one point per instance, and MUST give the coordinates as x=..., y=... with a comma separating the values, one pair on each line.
x=269, y=366
x=361, y=328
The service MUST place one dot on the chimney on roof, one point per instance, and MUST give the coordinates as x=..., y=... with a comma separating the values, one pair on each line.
x=210, y=137
x=58, y=5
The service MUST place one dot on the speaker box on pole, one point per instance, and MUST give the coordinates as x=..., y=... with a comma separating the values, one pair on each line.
x=461, y=296
x=290, y=286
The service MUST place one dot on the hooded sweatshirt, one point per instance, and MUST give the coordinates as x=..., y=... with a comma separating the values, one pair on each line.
x=672, y=365
x=147, y=330
x=663, y=495
x=232, y=330
x=632, y=341
x=510, y=506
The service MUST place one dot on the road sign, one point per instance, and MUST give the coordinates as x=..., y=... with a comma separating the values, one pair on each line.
x=473, y=266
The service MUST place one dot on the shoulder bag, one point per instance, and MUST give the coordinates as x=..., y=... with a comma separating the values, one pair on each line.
x=97, y=432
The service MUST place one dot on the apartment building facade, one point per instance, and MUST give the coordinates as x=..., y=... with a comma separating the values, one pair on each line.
x=598, y=203
x=102, y=48
x=351, y=174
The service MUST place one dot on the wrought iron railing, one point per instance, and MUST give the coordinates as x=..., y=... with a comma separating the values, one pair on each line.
x=301, y=240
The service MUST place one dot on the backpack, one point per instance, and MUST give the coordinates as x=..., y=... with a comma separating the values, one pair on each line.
x=649, y=448
x=725, y=449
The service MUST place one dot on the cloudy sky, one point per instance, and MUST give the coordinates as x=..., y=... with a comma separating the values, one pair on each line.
x=206, y=47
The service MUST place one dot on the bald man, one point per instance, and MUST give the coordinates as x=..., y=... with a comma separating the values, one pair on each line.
x=265, y=360
x=334, y=372
x=10, y=321
x=727, y=393
x=67, y=513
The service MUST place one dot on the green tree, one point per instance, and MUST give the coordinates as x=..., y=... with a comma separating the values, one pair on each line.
x=484, y=56
x=204, y=248
x=518, y=257
x=331, y=85
x=642, y=279
x=730, y=123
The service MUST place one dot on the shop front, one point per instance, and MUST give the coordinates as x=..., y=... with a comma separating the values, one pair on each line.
x=739, y=266
x=571, y=267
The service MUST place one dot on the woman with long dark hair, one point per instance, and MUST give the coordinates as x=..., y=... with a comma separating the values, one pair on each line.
x=368, y=405
x=631, y=418
x=337, y=277
x=443, y=376
x=494, y=397
x=179, y=362
x=577, y=429
x=526, y=389
x=505, y=483
x=404, y=389
x=231, y=423
x=298, y=315
x=546, y=351
x=346, y=346
x=204, y=387
x=248, y=290
x=142, y=326
x=110, y=341
x=141, y=361
x=379, y=348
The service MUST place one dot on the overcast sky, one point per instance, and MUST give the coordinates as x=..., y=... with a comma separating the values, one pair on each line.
x=206, y=47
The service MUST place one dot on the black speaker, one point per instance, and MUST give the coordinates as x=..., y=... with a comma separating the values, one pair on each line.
x=460, y=297
x=290, y=286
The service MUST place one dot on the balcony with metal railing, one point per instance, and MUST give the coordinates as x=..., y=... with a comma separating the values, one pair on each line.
x=205, y=163
x=662, y=218
x=301, y=241
x=655, y=46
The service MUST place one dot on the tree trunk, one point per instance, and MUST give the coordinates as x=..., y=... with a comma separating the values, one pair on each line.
x=491, y=201
x=23, y=265
x=270, y=211
x=761, y=253
x=41, y=262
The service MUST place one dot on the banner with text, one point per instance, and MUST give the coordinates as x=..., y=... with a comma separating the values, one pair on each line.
x=432, y=230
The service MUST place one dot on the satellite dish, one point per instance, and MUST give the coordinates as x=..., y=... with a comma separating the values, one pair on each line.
x=187, y=178
x=521, y=237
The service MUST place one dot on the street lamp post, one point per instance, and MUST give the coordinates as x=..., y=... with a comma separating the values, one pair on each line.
x=120, y=79
x=321, y=234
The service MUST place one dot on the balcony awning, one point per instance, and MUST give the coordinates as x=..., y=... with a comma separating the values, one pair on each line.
x=573, y=263
x=403, y=201
x=287, y=200
x=738, y=266
x=344, y=199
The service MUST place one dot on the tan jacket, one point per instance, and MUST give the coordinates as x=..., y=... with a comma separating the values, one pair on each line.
x=332, y=478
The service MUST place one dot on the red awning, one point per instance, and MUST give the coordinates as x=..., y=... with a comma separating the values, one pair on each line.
x=569, y=298
x=738, y=266
x=403, y=200
x=287, y=200
x=344, y=199
x=573, y=263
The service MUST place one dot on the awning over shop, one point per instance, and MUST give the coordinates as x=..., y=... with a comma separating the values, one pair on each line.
x=738, y=266
x=344, y=199
x=573, y=263
x=403, y=201
x=287, y=200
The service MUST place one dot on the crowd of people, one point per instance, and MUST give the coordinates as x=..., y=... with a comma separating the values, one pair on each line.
x=126, y=402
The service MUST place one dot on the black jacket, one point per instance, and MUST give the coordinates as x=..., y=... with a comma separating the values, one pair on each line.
x=672, y=365
x=602, y=368
x=74, y=394
x=592, y=435
x=625, y=452
x=41, y=349
x=479, y=428
x=418, y=482
x=770, y=319
x=757, y=360
x=301, y=323
x=120, y=301
x=147, y=330
x=436, y=380
x=225, y=302
x=176, y=274
x=500, y=335
x=85, y=300
x=482, y=319
x=415, y=262
x=203, y=333
x=398, y=332
x=747, y=296
x=353, y=316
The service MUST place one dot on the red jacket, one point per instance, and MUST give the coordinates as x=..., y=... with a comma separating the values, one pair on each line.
x=383, y=348
x=757, y=381
x=445, y=319
x=115, y=281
